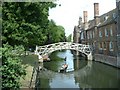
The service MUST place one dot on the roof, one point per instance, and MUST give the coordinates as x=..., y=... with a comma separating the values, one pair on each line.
x=107, y=18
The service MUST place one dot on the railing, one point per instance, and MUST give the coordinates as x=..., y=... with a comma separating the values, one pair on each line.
x=46, y=49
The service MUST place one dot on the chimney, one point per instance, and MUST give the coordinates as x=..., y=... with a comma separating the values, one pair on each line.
x=80, y=21
x=96, y=13
x=85, y=15
x=96, y=9
x=118, y=4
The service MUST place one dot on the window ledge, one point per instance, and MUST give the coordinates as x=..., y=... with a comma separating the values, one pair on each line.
x=111, y=49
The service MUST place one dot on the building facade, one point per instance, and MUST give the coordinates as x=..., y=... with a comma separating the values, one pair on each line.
x=118, y=31
x=76, y=32
x=101, y=34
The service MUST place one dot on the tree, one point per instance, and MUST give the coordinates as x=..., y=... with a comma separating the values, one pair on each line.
x=12, y=69
x=69, y=38
x=56, y=33
x=27, y=24
x=24, y=22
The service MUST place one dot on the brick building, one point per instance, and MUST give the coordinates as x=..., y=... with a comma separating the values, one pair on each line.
x=101, y=34
x=118, y=31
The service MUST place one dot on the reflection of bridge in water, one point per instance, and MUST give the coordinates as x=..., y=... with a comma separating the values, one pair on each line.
x=41, y=72
x=47, y=49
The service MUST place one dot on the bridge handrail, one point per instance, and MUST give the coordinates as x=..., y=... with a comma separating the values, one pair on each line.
x=65, y=43
x=46, y=49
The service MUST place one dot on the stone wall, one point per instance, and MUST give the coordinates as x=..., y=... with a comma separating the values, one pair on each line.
x=110, y=60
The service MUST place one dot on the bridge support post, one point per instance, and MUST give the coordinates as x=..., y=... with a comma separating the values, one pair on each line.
x=36, y=53
x=40, y=58
x=77, y=53
x=90, y=56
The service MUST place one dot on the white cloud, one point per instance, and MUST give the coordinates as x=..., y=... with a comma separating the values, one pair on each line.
x=69, y=12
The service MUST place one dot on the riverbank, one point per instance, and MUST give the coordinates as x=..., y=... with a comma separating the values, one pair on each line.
x=29, y=61
x=109, y=60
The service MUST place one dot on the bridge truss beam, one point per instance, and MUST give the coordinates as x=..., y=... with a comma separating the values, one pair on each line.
x=47, y=49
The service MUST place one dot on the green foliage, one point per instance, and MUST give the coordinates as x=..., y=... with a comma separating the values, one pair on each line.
x=12, y=69
x=55, y=33
x=69, y=38
x=24, y=23
x=27, y=24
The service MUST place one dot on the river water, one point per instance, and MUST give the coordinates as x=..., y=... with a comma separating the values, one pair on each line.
x=80, y=73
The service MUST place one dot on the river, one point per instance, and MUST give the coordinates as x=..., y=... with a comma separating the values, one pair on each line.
x=80, y=73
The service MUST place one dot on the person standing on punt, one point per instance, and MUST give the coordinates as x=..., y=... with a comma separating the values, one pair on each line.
x=65, y=59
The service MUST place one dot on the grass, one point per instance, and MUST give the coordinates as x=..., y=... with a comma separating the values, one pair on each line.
x=30, y=62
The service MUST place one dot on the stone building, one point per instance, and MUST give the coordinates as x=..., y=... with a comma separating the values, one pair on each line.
x=76, y=32
x=101, y=34
x=118, y=31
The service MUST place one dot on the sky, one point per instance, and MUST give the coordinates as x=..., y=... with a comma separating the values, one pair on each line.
x=67, y=15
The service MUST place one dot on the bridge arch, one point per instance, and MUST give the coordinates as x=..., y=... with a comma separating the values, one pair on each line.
x=47, y=49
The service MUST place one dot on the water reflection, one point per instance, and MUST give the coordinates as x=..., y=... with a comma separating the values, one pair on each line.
x=57, y=60
x=80, y=73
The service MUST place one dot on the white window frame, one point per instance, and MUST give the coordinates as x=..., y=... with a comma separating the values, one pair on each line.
x=106, y=32
x=106, y=17
x=100, y=33
x=93, y=33
x=93, y=44
x=88, y=36
x=82, y=35
x=111, y=46
x=104, y=45
x=100, y=47
x=114, y=15
x=111, y=31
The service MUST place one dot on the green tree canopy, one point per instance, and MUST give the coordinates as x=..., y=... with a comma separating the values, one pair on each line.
x=12, y=69
x=69, y=38
x=27, y=24
x=56, y=33
x=24, y=22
